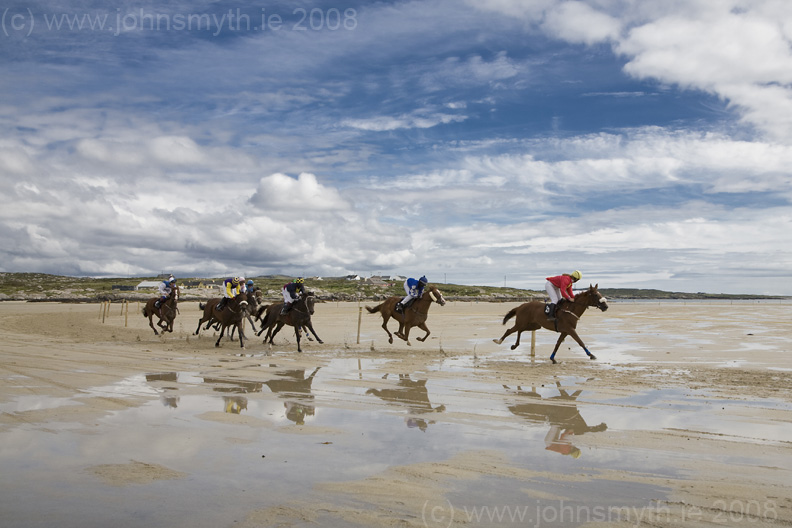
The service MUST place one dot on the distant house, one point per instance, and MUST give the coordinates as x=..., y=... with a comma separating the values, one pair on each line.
x=397, y=278
x=148, y=285
x=353, y=277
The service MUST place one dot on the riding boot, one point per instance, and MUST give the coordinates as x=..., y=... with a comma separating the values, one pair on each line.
x=551, y=311
x=157, y=303
x=285, y=309
x=221, y=304
x=399, y=307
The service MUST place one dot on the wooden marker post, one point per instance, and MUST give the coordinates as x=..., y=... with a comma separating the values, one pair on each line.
x=360, y=319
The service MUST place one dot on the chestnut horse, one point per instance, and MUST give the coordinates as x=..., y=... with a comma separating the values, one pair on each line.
x=531, y=316
x=299, y=316
x=166, y=312
x=414, y=315
x=232, y=315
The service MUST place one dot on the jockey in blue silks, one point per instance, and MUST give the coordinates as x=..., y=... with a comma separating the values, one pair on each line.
x=165, y=288
x=414, y=289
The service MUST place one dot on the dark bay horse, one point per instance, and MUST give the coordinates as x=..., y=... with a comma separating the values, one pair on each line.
x=531, y=316
x=299, y=316
x=414, y=315
x=231, y=315
x=166, y=312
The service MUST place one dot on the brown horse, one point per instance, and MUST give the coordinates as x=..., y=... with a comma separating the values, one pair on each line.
x=232, y=315
x=414, y=315
x=166, y=312
x=531, y=316
x=299, y=316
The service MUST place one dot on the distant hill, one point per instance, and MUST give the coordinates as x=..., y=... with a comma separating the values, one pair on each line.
x=44, y=287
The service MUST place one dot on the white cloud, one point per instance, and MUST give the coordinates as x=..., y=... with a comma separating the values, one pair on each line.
x=418, y=119
x=282, y=193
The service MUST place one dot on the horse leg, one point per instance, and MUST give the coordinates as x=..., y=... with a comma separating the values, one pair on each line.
x=385, y=327
x=297, y=335
x=278, y=327
x=517, y=343
x=151, y=324
x=406, y=334
x=506, y=334
x=252, y=325
x=423, y=327
x=221, y=336
x=558, y=344
x=241, y=336
x=579, y=341
x=309, y=326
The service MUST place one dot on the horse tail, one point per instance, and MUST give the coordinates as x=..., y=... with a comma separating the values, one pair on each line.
x=145, y=311
x=201, y=306
x=375, y=309
x=509, y=315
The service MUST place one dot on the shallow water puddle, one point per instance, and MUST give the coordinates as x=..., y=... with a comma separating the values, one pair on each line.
x=264, y=433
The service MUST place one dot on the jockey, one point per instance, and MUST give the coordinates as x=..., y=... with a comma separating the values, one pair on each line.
x=231, y=288
x=249, y=286
x=560, y=287
x=414, y=289
x=165, y=288
x=290, y=292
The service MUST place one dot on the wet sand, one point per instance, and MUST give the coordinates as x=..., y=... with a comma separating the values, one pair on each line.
x=685, y=419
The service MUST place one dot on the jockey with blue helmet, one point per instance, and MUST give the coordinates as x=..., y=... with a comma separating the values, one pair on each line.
x=414, y=289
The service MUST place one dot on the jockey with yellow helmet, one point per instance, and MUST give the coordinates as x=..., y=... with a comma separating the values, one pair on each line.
x=560, y=287
x=231, y=288
x=292, y=292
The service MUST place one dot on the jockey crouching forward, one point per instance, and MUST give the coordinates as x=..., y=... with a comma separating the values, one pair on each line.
x=414, y=289
x=292, y=292
x=231, y=288
x=165, y=288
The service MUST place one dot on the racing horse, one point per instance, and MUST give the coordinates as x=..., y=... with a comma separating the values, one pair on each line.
x=531, y=316
x=232, y=315
x=166, y=312
x=298, y=316
x=414, y=315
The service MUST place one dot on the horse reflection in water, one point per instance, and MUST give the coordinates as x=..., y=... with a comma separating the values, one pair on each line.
x=293, y=386
x=412, y=394
x=563, y=415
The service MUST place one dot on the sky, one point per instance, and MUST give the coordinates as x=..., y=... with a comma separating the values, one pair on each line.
x=647, y=144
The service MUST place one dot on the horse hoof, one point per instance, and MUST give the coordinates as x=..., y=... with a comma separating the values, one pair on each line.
x=497, y=341
x=320, y=342
x=513, y=347
x=554, y=361
x=390, y=340
x=592, y=356
x=409, y=344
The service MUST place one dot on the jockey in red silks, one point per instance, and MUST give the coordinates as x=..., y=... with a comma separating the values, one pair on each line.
x=560, y=287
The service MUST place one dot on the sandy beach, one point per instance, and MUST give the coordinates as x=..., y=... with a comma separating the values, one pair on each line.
x=685, y=419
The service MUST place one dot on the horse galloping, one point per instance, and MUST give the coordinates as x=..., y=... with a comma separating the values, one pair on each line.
x=414, y=315
x=299, y=316
x=166, y=312
x=232, y=315
x=531, y=316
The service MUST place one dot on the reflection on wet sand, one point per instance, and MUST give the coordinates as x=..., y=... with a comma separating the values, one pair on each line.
x=563, y=415
x=168, y=400
x=294, y=384
x=414, y=395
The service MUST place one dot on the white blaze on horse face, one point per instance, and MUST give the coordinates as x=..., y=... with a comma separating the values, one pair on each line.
x=603, y=300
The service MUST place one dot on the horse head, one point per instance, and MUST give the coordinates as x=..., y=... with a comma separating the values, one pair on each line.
x=596, y=299
x=435, y=295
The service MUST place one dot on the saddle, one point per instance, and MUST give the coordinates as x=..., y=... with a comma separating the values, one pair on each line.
x=401, y=307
